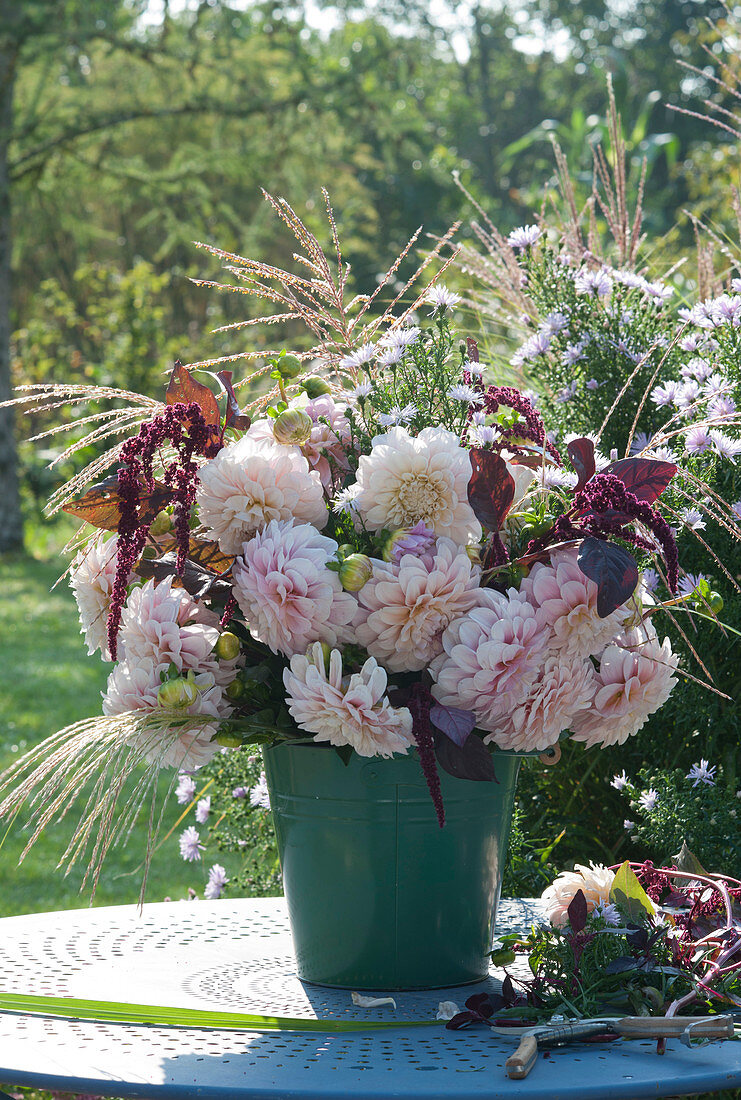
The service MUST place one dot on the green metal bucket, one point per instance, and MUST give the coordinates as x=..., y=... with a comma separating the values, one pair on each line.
x=379, y=896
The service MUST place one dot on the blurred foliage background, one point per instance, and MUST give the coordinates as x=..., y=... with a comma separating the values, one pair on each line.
x=130, y=129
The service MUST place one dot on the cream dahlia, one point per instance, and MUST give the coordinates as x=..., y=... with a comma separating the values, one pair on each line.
x=492, y=657
x=595, y=881
x=92, y=574
x=251, y=482
x=351, y=710
x=288, y=596
x=635, y=678
x=405, y=479
x=563, y=690
x=566, y=601
x=409, y=605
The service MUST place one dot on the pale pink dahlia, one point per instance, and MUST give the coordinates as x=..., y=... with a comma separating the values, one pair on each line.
x=410, y=605
x=163, y=624
x=288, y=596
x=566, y=601
x=326, y=448
x=350, y=710
x=134, y=685
x=635, y=678
x=595, y=881
x=252, y=482
x=91, y=579
x=492, y=657
x=405, y=479
x=563, y=691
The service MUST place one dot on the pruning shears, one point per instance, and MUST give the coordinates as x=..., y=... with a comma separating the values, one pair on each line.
x=544, y=1036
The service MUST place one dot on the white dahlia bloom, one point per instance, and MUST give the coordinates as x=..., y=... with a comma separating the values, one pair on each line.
x=133, y=686
x=92, y=574
x=566, y=601
x=405, y=479
x=595, y=881
x=563, y=690
x=251, y=482
x=492, y=657
x=635, y=678
x=288, y=596
x=350, y=710
x=409, y=605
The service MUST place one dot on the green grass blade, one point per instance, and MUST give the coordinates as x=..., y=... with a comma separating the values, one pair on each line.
x=73, y=1008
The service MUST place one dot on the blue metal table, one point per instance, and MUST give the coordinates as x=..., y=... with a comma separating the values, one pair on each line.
x=236, y=955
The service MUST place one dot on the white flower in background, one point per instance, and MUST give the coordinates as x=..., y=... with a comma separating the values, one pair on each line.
x=597, y=284
x=650, y=579
x=635, y=678
x=389, y=356
x=362, y=389
x=259, y=794
x=410, y=605
x=692, y=518
x=400, y=337
x=648, y=800
x=217, y=880
x=404, y=480
x=555, y=477
x=554, y=323
x=185, y=789
x=725, y=446
x=92, y=574
x=288, y=596
x=628, y=825
x=440, y=298
x=619, y=781
x=524, y=236
x=464, y=393
x=358, y=358
x=595, y=882
x=397, y=415
x=251, y=482
x=203, y=809
x=492, y=657
x=665, y=394
x=190, y=844
x=346, y=710
x=346, y=501
x=702, y=773
x=565, y=601
x=476, y=369
x=481, y=435
x=641, y=442
x=563, y=690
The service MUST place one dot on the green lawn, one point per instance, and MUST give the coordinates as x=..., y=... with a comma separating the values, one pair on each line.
x=48, y=681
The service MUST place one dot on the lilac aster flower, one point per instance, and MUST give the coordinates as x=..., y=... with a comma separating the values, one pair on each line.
x=466, y=394
x=357, y=358
x=648, y=800
x=736, y=509
x=476, y=369
x=650, y=579
x=525, y=236
x=440, y=298
x=597, y=284
x=641, y=442
x=568, y=393
x=217, y=880
x=690, y=343
x=619, y=781
x=554, y=323
x=259, y=795
x=725, y=446
x=722, y=408
x=687, y=394
x=240, y=792
x=203, y=809
x=483, y=434
x=736, y=286
x=609, y=913
x=190, y=844
x=537, y=344
x=665, y=394
x=629, y=825
x=592, y=384
x=693, y=519
x=726, y=310
x=185, y=790
x=701, y=773
x=574, y=352
x=717, y=385
x=689, y=582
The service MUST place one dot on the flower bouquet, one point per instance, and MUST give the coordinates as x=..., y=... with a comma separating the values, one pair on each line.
x=384, y=555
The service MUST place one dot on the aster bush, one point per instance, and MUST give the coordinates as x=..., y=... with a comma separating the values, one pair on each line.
x=386, y=554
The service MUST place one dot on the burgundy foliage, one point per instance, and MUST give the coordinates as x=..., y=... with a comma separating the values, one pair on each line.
x=420, y=702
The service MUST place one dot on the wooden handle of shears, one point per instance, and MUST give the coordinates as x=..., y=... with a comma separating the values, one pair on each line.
x=519, y=1064
x=657, y=1027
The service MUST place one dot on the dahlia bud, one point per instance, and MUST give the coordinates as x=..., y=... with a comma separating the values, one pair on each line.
x=227, y=647
x=315, y=387
x=355, y=571
x=288, y=366
x=292, y=426
x=235, y=690
x=474, y=553
x=227, y=738
x=345, y=550
x=162, y=524
x=177, y=693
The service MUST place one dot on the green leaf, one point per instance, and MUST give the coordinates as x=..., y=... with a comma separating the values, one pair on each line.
x=630, y=897
x=73, y=1008
x=686, y=860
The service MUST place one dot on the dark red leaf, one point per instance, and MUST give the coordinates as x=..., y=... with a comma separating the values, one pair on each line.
x=235, y=418
x=472, y=350
x=646, y=478
x=491, y=489
x=453, y=722
x=577, y=911
x=472, y=760
x=202, y=552
x=581, y=454
x=198, y=582
x=612, y=569
x=182, y=387
x=99, y=505
x=508, y=991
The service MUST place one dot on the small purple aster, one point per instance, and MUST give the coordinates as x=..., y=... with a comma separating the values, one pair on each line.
x=650, y=578
x=693, y=519
x=185, y=789
x=203, y=809
x=665, y=394
x=701, y=773
x=524, y=236
x=240, y=792
x=592, y=384
x=619, y=781
x=648, y=800
x=359, y=357
x=697, y=440
x=597, y=284
x=736, y=509
x=628, y=825
x=725, y=446
x=217, y=880
x=190, y=844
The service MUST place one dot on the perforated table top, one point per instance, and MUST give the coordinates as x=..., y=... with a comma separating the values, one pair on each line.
x=236, y=955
